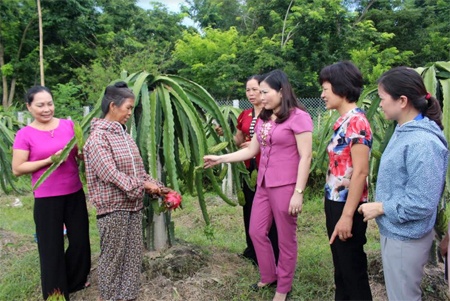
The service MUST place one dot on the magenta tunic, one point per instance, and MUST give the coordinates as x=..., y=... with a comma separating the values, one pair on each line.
x=41, y=145
x=279, y=161
x=277, y=177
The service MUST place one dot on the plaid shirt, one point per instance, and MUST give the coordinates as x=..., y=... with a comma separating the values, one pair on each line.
x=115, y=171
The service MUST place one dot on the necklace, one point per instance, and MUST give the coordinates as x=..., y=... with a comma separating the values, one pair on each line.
x=52, y=132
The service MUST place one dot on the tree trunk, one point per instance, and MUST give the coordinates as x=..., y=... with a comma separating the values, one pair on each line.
x=2, y=63
x=284, y=24
x=5, y=82
x=366, y=9
x=41, y=43
x=19, y=52
x=11, y=92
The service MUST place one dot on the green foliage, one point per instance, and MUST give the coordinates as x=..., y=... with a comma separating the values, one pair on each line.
x=213, y=13
x=68, y=99
x=211, y=59
x=8, y=127
x=437, y=81
x=88, y=42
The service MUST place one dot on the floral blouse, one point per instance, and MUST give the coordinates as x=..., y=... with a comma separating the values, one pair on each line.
x=349, y=129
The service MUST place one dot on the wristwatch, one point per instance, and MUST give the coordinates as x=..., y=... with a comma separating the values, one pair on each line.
x=300, y=191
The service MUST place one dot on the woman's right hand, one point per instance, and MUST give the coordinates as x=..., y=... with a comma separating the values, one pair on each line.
x=49, y=159
x=211, y=160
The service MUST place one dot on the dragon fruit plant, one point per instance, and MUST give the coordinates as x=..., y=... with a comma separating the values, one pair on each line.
x=56, y=296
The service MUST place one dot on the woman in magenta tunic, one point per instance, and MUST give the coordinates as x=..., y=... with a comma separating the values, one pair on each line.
x=59, y=200
x=246, y=124
x=284, y=139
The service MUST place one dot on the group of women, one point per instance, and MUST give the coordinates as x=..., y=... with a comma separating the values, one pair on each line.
x=275, y=138
x=410, y=182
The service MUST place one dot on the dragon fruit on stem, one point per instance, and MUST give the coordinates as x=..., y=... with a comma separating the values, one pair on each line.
x=172, y=200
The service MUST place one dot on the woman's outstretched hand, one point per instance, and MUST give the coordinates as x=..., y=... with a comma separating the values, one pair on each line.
x=211, y=160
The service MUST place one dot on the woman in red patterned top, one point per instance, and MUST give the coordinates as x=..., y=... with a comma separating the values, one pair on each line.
x=346, y=184
x=246, y=123
x=117, y=182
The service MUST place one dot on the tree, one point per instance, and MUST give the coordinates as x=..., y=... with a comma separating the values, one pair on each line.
x=214, y=13
x=17, y=55
x=418, y=26
x=211, y=60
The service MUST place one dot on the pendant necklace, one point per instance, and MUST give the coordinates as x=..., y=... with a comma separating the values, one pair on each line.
x=51, y=132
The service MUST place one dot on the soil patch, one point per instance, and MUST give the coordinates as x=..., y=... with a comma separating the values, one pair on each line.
x=182, y=272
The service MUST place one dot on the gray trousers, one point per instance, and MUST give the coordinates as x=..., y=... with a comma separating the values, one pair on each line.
x=403, y=263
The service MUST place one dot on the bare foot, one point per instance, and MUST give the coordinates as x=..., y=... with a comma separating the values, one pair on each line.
x=279, y=297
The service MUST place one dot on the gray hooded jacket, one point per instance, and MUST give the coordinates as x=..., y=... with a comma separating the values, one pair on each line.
x=411, y=180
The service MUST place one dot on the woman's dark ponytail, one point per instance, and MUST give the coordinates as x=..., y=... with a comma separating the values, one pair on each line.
x=434, y=111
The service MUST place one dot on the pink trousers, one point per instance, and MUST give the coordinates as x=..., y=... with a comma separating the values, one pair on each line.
x=268, y=204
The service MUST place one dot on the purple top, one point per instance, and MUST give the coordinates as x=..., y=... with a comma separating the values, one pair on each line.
x=41, y=145
x=279, y=154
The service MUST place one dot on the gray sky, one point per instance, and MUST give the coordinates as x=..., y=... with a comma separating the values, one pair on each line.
x=173, y=5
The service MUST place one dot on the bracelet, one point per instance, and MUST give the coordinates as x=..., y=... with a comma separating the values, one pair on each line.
x=299, y=190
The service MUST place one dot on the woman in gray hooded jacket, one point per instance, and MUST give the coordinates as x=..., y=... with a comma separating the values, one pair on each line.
x=410, y=181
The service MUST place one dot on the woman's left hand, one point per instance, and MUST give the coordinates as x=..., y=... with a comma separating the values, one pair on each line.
x=296, y=204
x=371, y=210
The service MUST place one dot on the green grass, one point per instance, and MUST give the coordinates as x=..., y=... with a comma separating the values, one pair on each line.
x=313, y=280
x=20, y=277
x=19, y=259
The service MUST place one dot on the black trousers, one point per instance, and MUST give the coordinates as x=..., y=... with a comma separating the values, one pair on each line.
x=66, y=272
x=249, y=251
x=349, y=259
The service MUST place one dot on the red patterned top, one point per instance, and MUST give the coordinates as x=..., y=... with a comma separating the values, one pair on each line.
x=244, y=123
x=351, y=128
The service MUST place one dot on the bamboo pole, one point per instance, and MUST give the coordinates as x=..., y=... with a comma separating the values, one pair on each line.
x=41, y=43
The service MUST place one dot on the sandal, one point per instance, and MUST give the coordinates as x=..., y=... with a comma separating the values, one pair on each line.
x=255, y=287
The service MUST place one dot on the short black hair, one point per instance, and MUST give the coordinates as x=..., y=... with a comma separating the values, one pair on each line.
x=29, y=97
x=345, y=79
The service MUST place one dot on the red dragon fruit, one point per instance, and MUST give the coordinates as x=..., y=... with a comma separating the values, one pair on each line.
x=172, y=200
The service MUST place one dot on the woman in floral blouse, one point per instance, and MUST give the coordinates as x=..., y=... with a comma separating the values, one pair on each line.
x=346, y=183
x=284, y=139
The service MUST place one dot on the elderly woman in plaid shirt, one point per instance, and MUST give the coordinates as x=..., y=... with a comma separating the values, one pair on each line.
x=117, y=182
